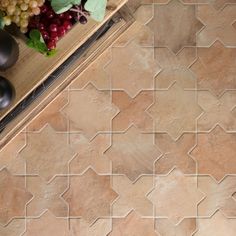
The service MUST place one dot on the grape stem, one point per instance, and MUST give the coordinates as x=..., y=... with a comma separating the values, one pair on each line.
x=78, y=10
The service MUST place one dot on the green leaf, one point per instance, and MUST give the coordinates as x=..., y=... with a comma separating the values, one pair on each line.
x=97, y=9
x=60, y=6
x=35, y=35
x=36, y=42
x=76, y=2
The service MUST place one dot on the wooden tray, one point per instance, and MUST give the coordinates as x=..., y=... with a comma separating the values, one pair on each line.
x=124, y=20
x=33, y=68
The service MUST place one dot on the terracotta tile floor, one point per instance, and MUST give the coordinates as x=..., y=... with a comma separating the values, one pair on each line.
x=143, y=143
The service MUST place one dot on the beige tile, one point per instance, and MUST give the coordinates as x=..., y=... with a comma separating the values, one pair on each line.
x=132, y=195
x=47, y=196
x=185, y=228
x=218, y=25
x=133, y=153
x=176, y=196
x=47, y=225
x=218, y=196
x=217, y=225
x=215, y=68
x=47, y=153
x=217, y=111
x=79, y=227
x=215, y=153
x=132, y=225
x=169, y=60
x=14, y=228
x=85, y=105
x=9, y=155
x=217, y=4
x=168, y=77
x=52, y=115
x=175, y=68
x=138, y=68
x=13, y=196
x=175, y=25
x=171, y=112
x=132, y=111
x=95, y=74
x=90, y=153
x=90, y=196
x=175, y=154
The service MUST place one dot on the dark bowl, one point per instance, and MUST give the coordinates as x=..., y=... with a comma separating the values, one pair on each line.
x=9, y=50
x=7, y=93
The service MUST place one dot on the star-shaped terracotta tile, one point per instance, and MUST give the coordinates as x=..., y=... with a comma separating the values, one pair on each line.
x=176, y=196
x=90, y=111
x=9, y=155
x=47, y=196
x=175, y=25
x=217, y=111
x=133, y=153
x=80, y=227
x=215, y=153
x=217, y=225
x=175, y=154
x=47, y=225
x=138, y=68
x=90, y=196
x=216, y=68
x=185, y=228
x=218, y=25
x=219, y=196
x=14, y=228
x=175, y=68
x=175, y=111
x=132, y=195
x=132, y=225
x=90, y=153
x=13, y=196
x=95, y=73
x=51, y=115
x=47, y=153
x=132, y=111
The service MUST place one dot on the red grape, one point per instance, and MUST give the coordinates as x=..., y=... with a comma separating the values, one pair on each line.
x=83, y=20
x=53, y=28
x=61, y=16
x=44, y=9
x=68, y=16
x=45, y=35
x=41, y=26
x=61, y=31
x=54, y=35
x=67, y=25
x=50, y=14
x=56, y=21
x=51, y=45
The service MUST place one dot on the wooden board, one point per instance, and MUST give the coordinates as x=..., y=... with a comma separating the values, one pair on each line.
x=123, y=21
x=32, y=68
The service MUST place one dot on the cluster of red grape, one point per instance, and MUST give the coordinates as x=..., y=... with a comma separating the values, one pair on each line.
x=54, y=26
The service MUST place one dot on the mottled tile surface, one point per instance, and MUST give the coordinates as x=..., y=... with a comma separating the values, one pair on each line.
x=142, y=142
